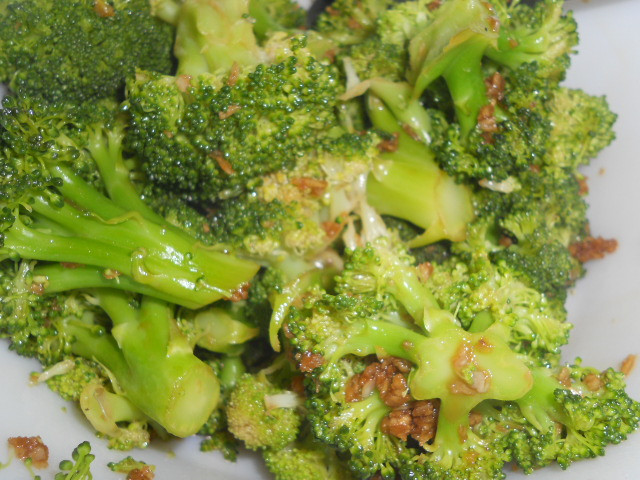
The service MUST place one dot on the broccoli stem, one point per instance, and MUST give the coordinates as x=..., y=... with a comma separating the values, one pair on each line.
x=465, y=80
x=106, y=150
x=539, y=406
x=152, y=363
x=263, y=21
x=58, y=278
x=178, y=281
x=452, y=47
x=408, y=112
x=106, y=235
x=213, y=35
x=408, y=184
x=80, y=192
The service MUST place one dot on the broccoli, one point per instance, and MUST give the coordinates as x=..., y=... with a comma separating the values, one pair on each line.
x=93, y=232
x=261, y=414
x=210, y=35
x=401, y=388
x=406, y=183
x=215, y=432
x=346, y=246
x=213, y=136
x=51, y=213
x=508, y=135
x=132, y=467
x=481, y=293
x=572, y=412
x=486, y=114
x=156, y=375
x=306, y=458
x=79, y=51
x=349, y=23
x=582, y=127
x=265, y=414
x=528, y=231
x=69, y=377
x=542, y=33
x=276, y=16
x=381, y=308
x=79, y=467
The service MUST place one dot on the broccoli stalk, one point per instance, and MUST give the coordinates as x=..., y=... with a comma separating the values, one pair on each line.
x=452, y=46
x=407, y=183
x=63, y=218
x=114, y=416
x=152, y=362
x=210, y=35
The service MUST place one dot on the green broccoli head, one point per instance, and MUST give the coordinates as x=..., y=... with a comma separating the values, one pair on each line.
x=582, y=127
x=80, y=51
x=261, y=414
x=428, y=376
x=215, y=137
x=572, y=412
x=533, y=227
x=481, y=293
x=540, y=33
x=349, y=23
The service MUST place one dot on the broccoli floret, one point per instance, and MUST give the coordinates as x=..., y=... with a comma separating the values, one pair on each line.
x=210, y=35
x=76, y=375
x=137, y=343
x=79, y=51
x=349, y=23
x=220, y=329
x=215, y=432
x=50, y=213
x=383, y=52
x=420, y=408
x=94, y=234
x=306, y=459
x=491, y=119
x=511, y=136
x=262, y=414
x=528, y=231
x=380, y=307
x=540, y=33
x=214, y=137
x=217, y=437
x=572, y=412
x=79, y=467
x=132, y=468
x=582, y=126
x=480, y=293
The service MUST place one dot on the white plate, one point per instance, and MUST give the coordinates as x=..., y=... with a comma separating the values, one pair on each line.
x=604, y=306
